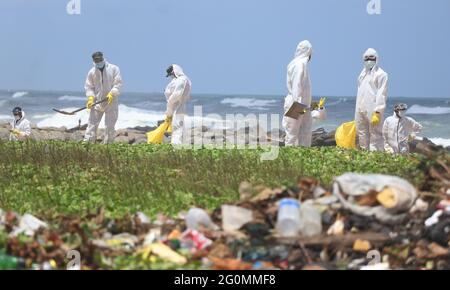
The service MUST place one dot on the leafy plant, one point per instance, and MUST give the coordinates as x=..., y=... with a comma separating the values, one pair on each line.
x=50, y=178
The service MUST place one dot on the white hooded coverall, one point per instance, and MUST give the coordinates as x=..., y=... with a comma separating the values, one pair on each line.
x=396, y=132
x=299, y=132
x=177, y=93
x=23, y=126
x=99, y=84
x=371, y=98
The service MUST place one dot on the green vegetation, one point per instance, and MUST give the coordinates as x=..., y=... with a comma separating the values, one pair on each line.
x=48, y=178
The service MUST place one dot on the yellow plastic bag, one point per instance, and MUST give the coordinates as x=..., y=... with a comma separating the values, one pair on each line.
x=169, y=130
x=346, y=135
x=157, y=136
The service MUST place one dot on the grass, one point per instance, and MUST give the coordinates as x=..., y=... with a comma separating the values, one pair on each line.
x=49, y=178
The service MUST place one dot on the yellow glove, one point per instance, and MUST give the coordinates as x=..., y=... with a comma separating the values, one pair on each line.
x=110, y=98
x=411, y=137
x=90, y=102
x=168, y=119
x=376, y=119
x=16, y=132
x=322, y=103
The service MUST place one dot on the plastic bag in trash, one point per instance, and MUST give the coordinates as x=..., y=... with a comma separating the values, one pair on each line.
x=28, y=225
x=197, y=218
x=396, y=195
x=234, y=217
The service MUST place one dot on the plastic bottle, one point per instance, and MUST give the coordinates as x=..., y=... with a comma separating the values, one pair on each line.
x=310, y=220
x=288, y=219
x=10, y=263
x=197, y=217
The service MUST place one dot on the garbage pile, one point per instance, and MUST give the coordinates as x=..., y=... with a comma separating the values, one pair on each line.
x=360, y=222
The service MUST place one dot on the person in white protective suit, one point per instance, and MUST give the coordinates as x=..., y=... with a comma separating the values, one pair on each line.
x=20, y=127
x=299, y=132
x=177, y=93
x=103, y=82
x=371, y=103
x=398, y=130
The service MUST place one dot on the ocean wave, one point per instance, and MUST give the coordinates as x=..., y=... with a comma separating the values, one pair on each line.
x=129, y=117
x=71, y=98
x=251, y=103
x=5, y=117
x=441, y=141
x=422, y=110
x=341, y=100
x=41, y=116
x=17, y=95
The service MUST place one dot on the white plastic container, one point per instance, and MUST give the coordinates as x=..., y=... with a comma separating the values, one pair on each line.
x=310, y=220
x=288, y=219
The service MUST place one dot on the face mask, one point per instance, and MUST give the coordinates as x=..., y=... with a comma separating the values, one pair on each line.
x=17, y=117
x=401, y=114
x=369, y=64
x=100, y=65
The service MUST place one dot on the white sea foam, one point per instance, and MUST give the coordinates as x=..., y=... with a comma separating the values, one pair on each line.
x=441, y=141
x=41, y=116
x=422, y=110
x=251, y=103
x=128, y=118
x=71, y=98
x=17, y=95
x=341, y=100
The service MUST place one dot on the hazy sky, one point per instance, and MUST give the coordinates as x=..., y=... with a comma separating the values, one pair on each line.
x=226, y=46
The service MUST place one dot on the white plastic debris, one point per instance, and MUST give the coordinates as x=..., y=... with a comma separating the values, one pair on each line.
x=337, y=228
x=434, y=219
x=152, y=236
x=319, y=191
x=377, y=267
x=357, y=185
x=310, y=220
x=197, y=218
x=143, y=218
x=28, y=225
x=419, y=206
x=234, y=217
x=326, y=200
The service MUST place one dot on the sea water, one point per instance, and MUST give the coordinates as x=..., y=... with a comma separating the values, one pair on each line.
x=146, y=109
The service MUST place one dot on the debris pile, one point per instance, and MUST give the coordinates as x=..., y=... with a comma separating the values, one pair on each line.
x=359, y=222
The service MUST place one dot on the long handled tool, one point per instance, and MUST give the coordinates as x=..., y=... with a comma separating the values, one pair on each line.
x=78, y=110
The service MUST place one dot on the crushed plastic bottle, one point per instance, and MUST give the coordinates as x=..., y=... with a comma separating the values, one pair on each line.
x=288, y=220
